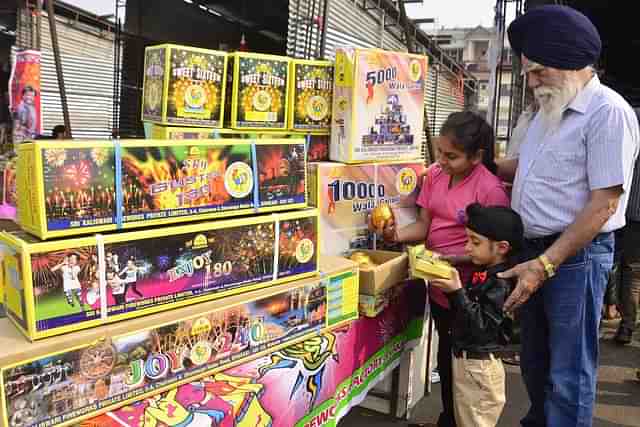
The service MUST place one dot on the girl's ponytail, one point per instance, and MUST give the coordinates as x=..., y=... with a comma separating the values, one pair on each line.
x=471, y=133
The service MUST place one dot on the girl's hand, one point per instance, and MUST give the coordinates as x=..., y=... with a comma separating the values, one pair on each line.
x=388, y=232
x=448, y=285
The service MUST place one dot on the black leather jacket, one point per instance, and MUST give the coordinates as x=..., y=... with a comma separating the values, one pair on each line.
x=479, y=323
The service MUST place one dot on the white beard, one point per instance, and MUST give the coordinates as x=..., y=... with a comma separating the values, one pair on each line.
x=554, y=100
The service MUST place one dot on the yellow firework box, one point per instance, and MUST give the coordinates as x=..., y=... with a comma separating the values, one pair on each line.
x=259, y=97
x=59, y=286
x=72, y=188
x=311, y=96
x=346, y=194
x=184, y=86
x=378, y=105
x=68, y=379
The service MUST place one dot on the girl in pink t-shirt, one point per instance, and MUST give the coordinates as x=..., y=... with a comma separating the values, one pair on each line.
x=463, y=175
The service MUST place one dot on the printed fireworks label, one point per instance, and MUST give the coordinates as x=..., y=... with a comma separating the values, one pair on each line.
x=164, y=270
x=313, y=94
x=153, y=84
x=79, y=187
x=262, y=92
x=195, y=91
x=71, y=384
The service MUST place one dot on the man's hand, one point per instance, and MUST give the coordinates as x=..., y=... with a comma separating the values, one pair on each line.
x=531, y=275
x=450, y=285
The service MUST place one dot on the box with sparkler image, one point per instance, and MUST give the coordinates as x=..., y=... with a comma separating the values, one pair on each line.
x=311, y=95
x=73, y=188
x=53, y=287
x=347, y=194
x=67, y=379
x=184, y=86
x=378, y=105
x=258, y=91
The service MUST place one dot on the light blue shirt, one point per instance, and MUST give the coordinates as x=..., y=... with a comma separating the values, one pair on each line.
x=594, y=147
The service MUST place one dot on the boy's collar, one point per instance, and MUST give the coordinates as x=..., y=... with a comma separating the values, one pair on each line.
x=498, y=268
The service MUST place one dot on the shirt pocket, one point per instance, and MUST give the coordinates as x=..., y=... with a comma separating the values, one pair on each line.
x=561, y=166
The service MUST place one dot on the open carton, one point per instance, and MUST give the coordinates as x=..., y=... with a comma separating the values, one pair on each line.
x=391, y=268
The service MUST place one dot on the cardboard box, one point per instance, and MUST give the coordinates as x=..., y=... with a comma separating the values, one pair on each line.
x=391, y=268
x=311, y=95
x=70, y=188
x=65, y=285
x=345, y=195
x=424, y=266
x=378, y=105
x=259, y=94
x=64, y=380
x=373, y=305
x=184, y=85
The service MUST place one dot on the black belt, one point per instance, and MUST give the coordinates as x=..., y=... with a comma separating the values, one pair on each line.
x=474, y=355
x=541, y=244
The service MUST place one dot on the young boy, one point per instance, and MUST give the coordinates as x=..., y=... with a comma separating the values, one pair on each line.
x=480, y=327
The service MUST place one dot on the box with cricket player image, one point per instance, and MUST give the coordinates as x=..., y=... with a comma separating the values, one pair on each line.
x=72, y=188
x=184, y=86
x=378, y=105
x=53, y=287
x=346, y=194
x=71, y=378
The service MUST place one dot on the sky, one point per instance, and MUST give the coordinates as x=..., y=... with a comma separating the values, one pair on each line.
x=449, y=13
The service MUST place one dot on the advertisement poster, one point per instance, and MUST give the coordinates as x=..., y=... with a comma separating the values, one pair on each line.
x=25, y=97
x=310, y=384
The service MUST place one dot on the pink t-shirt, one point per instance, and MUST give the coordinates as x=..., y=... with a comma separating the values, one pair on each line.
x=447, y=206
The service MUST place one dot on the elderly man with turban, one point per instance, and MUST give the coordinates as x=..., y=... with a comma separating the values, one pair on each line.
x=572, y=180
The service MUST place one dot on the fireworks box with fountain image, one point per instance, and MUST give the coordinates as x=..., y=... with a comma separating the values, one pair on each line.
x=346, y=194
x=317, y=143
x=378, y=105
x=311, y=95
x=67, y=379
x=53, y=287
x=184, y=85
x=72, y=188
x=258, y=96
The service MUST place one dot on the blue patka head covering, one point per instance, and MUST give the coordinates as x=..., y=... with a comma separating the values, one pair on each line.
x=556, y=36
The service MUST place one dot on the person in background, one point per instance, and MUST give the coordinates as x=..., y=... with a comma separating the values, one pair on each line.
x=481, y=328
x=464, y=174
x=572, y=181
x=629, y=285
x=60, y=132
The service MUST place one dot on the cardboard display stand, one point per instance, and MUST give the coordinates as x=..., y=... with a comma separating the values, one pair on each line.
x=70, y=188
x=65, y=285
x=67, y=379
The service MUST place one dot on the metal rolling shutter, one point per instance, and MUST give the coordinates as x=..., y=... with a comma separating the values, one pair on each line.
x=88, y=70
x=441, y=99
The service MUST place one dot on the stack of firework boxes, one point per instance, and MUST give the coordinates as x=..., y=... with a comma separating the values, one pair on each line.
x=192, y=93
x=207, y=248
x=376, y=135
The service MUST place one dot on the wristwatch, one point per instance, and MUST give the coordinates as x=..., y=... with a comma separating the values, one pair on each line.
x=549, y=267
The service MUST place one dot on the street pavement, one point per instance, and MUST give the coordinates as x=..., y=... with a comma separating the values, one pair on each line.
x=618, y=400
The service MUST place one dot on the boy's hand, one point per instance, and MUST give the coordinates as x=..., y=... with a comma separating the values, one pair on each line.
x=448, y=285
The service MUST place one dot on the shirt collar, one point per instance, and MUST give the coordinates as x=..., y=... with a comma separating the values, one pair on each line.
x=582, y=100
